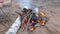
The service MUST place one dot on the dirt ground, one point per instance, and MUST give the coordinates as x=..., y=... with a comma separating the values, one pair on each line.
x=8, y=17
x=52, y=10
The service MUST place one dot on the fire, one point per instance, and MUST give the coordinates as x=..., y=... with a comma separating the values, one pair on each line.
x=42, y=14
x=31, y=29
